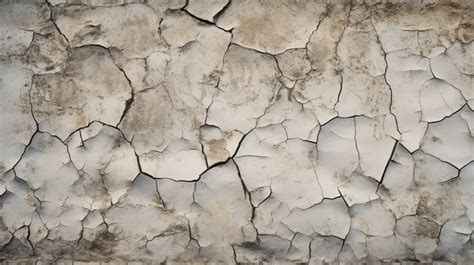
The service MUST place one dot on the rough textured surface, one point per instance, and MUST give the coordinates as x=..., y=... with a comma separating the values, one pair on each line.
x=236, y=131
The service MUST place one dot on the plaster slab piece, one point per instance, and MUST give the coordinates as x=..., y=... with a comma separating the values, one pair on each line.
x=264, y=161
x=268, y=249
x=160, y=6
x=460, y=53
x=359, y=189
x=362, y=94
x=22, y=236
x=177, y=106
x=133, y=223
x=106, y=159
x=387, y=248
x=18, y=206
x=401, y=202
x=362, y=219
x=297, y=121
x=218, y=145
x=399, y=192
x=430, y=43
x=155, y=70
x=47, y=52
x=371, y=61
x=440, y=203
x=419, y=233
x=249, y=83
x=392, y=38
x=275, y=249
x=172, y=246
x=192, y=41
x=222, y=213
x=444, y=67
x=136, y=70
x=470, y=103
x=319, y=92
x=302, y=125
x=33, y=169
x=454, y=235
x=47, y=169
x=143, y=192
x=299, y=249
x=444, y=18
x=287, y=82
x=430, y=170
x=268, y=218
x=468, y=117
x=90, y=88
x=406, y=75
x=30, y=39
x=179, y=202
x=206, y=9
x=169, y=163
x=294, y=63
x=323, y=43
x=466, y=180
x=329, y=218
x=14, y=41
x=465, y=30
x=451, y=145
x=153, y=130
x=111, y=27
x=355, y=246
x=325, y=249
x=61, y=217
x=374, y=147
x=272, y=28
x=93, y=224
x=19, y=22
x=337, y=155
x=222, y=254
x=396, y=37
x=259, y=195
x=17, y=123
x=439, y=100
x=38, y=230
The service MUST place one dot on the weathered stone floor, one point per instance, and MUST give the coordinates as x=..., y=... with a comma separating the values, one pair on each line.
x=236, y=131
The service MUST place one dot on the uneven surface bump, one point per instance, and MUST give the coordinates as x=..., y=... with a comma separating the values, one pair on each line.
x=236, y=131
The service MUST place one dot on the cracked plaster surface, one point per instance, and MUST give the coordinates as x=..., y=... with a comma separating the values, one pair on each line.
x=236, y=131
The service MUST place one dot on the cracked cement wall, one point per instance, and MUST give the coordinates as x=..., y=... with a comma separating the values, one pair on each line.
x=236, y=131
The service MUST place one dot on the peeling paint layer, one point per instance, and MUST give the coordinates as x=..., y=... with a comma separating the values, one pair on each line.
x=236, y=131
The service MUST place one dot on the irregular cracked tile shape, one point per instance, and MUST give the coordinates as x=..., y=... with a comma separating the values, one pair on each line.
x=90, y=88
x=17, y=123
x=236, y=131
x=111, y=27
x=272, y=27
